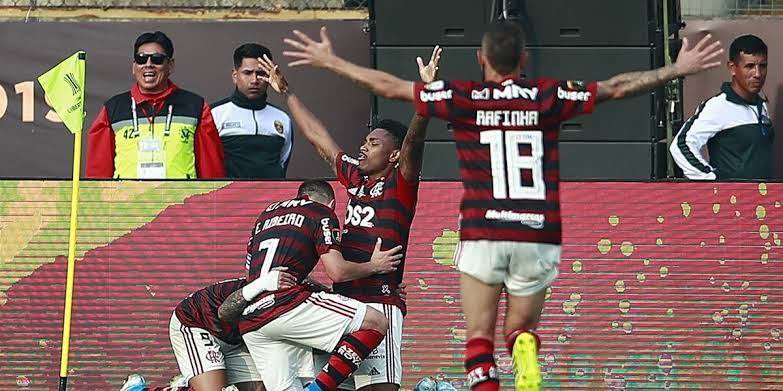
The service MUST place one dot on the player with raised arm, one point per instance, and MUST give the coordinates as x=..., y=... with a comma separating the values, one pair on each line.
x=382, y=184
x=506, y=130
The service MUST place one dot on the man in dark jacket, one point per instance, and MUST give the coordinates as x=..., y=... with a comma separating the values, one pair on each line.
x=256, y=135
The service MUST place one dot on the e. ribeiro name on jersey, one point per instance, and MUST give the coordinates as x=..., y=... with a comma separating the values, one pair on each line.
x=507, y=146
x=293, y=234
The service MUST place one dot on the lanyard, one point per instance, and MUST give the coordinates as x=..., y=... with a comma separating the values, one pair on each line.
x=167, y=128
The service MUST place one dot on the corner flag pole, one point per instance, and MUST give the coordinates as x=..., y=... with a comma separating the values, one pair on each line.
x=65, y=86
x=66, y=344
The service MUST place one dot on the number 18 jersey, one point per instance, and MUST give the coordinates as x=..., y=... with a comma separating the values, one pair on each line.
x=507, y=146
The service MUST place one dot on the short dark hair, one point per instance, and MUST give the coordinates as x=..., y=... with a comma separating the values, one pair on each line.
x=395, y=128
x=250, y=50
x=317, y=187
x=503, y=45
x=748, y=44
x=156, y=37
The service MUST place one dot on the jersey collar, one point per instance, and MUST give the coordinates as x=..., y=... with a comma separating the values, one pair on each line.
x=244, y=102
x=733, y=97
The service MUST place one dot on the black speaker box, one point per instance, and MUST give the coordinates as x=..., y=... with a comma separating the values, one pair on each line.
x=578, y=160
x=545, y=22
x=626, y=120
x=612, y=161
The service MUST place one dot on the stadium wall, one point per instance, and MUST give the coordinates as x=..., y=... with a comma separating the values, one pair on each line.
x=662, y=285
x=33, y=145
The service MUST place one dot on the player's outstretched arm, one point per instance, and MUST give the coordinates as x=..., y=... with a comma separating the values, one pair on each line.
x=308, y=124
x=701, y=57
x=235, y=303
x=381, y=262
x=320, y=54
x=412, y=151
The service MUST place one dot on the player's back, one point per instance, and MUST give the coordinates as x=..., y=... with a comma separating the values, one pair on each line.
x=507, y=146
x=200, y=309
x=291, y=234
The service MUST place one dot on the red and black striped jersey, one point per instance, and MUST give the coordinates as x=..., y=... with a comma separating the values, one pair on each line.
x=382, y=208
x=293, y=234
x=507, y=146
x=200, y=309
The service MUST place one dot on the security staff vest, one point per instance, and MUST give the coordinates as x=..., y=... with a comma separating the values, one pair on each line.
x=164, y=140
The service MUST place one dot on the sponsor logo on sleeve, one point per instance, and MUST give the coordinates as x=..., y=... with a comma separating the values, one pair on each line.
x=575, y=96
x=326, y=227
x=350, y=160
x=435, y=96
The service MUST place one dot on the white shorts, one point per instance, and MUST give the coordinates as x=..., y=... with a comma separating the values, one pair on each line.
x=524, y=268
x=279, y=347
x=384, y=364
x=198, y=351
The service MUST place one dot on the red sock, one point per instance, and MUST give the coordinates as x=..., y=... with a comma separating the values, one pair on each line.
x=480, y=365
x=512, y=338
x=347, y=356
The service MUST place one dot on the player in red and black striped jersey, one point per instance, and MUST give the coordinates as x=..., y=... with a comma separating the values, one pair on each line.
x=506, y=130
x=382, y=184
x=295, y=235
x=200, y=310
x=210, y=351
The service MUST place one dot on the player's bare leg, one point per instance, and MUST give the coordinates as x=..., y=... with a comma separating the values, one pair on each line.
x=209, y=381
x=480, y=306
x=522, y=316
x=250, y=386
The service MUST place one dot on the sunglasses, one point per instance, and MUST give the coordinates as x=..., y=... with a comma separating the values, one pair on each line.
x=157, y=58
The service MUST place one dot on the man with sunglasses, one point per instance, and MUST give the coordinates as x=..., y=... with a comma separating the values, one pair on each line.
x=156, y=130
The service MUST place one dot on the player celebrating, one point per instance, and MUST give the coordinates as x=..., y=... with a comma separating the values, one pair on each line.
x=382, y=184
x=296, y=234
x=210, y=352
x=506, y=131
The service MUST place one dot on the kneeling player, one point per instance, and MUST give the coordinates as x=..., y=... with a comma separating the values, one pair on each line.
x=210, y=352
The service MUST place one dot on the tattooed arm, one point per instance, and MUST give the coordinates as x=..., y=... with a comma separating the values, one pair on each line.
x=691, y=60
x=232, y=307
x=277, y=279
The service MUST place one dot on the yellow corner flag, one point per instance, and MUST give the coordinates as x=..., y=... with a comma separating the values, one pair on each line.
x=64, y=86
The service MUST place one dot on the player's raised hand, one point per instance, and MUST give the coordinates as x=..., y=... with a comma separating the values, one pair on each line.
x=308, y=51
x=274, y=77
x=429, y=72
x=700, y=57
x=385, y=261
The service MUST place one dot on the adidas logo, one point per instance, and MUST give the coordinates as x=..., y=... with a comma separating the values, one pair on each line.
x=374, y=372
